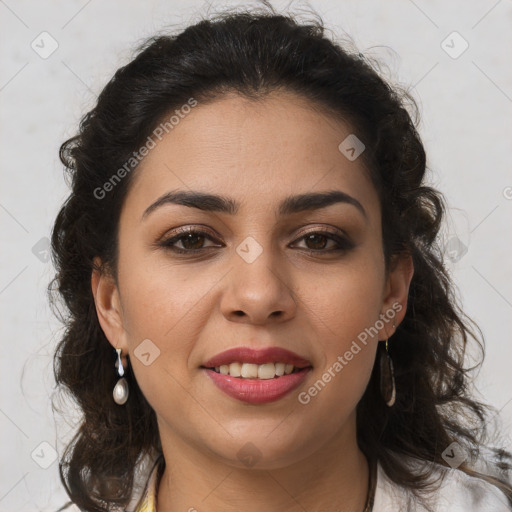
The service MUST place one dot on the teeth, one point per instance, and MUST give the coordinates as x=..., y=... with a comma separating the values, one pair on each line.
x=234, y=369
x=249, y=371
x=266, y=371
x=255, y=371
x=280, y=369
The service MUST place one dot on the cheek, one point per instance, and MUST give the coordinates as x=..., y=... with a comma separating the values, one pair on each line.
x=343, y=311
x=346, y=300
x=165, y=309
x=347, y=354
x=159, y=299
x=163, y=315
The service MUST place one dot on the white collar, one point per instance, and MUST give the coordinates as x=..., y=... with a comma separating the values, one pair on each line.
x=457, y=492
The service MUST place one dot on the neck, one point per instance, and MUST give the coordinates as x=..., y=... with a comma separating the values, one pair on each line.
x=335, y=478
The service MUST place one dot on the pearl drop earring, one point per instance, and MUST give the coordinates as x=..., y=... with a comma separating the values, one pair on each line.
x=121, y=390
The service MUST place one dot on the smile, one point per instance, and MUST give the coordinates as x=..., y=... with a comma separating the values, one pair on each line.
x=256, y=371
x=257, y=375
x=256, y=390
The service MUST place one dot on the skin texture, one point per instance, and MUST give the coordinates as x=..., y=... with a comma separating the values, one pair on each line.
x=193, y=307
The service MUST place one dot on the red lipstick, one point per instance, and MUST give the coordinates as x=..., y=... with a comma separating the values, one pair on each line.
x=255, y=390
x=257, y=356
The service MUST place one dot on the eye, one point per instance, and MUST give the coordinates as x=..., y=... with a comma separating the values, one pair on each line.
x=191, y=240
x=317, y=241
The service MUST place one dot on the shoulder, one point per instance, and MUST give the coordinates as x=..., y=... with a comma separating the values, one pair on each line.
x=463, y=492
x=453, y=491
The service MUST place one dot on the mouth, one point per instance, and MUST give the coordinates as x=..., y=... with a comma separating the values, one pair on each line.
x=257, y=376
x=253, y=390
x=248, y=362
x=265, y=371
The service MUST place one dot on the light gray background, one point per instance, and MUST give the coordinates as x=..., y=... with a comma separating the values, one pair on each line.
x=466, y=106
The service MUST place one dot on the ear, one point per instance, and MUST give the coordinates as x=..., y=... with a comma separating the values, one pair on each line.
x=396, y=292
x=108, y=306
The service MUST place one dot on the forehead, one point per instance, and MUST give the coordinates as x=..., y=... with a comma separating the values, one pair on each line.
x=254, y=150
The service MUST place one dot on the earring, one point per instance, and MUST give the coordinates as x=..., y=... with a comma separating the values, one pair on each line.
x=121, y=388
x=387, y=377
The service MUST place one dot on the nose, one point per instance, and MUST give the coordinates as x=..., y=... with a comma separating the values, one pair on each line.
x=258, y=292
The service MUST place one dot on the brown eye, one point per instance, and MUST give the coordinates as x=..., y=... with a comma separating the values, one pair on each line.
x=318, y=241
x=191, y=241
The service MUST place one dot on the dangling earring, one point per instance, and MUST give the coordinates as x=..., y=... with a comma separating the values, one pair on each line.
x=121, y=388
x=387, y=377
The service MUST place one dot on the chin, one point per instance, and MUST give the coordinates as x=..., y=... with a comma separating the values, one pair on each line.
x=259, y=452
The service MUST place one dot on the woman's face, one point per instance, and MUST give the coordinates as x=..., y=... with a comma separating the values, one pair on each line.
x=248, y=279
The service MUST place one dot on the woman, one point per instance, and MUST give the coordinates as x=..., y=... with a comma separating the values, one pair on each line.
x=260, y=317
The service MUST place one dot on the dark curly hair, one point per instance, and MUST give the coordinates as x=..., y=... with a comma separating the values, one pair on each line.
x=252, y=53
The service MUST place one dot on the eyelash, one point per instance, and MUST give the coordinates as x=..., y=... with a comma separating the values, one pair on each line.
x=343, y=244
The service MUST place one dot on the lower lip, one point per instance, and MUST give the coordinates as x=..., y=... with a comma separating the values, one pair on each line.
x=257, y=391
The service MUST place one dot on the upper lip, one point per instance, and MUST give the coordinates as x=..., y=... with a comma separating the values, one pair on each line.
x=257, y=356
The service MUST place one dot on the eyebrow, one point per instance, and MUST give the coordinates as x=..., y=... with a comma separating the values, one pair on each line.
x=223, y=204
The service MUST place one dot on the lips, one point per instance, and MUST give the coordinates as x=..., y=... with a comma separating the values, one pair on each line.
x=252, y=380
x=257, y=356
x=255, y=391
